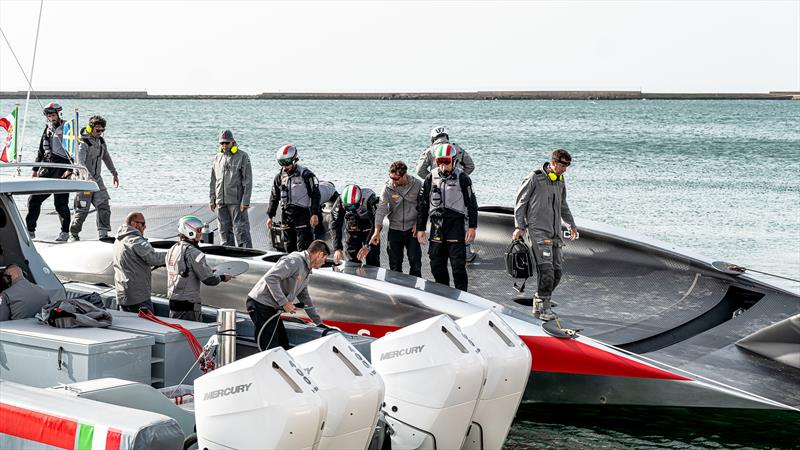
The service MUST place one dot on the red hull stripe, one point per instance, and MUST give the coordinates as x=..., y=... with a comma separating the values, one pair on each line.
x=38, y=427
x=47, y=429
x=551, y=354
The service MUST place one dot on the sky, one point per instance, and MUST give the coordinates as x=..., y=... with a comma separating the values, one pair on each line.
x=228, y=47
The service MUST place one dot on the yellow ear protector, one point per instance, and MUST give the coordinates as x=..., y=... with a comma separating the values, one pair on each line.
x=554, y=177
x=88, y=127
x=234, y=149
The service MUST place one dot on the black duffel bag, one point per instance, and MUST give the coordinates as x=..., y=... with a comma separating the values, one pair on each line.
x=519, y=262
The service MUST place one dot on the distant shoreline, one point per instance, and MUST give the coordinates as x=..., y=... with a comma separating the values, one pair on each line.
x=477, y=95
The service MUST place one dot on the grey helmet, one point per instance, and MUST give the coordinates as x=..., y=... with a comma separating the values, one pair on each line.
x=438, y=131
x=190, y=226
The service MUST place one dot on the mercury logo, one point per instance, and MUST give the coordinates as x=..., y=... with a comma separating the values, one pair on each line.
x=402, y=352
x=227, y=391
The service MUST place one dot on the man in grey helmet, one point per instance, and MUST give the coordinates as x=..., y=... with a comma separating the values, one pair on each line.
x=541, y=206
x=426, y=163
x=186, y=269
x=93, y=154
x=231, y=186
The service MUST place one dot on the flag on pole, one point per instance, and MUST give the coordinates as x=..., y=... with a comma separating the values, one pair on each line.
x=70, y=139
x=8, y=136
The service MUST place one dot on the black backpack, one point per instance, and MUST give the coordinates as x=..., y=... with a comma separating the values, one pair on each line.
x=519, y=263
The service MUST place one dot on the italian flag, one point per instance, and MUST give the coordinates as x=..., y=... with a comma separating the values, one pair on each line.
x=8, y=136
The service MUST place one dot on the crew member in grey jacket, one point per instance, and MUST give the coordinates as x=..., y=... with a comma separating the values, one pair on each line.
x=21, y=299
x=231, y=186
x=541, y=207
x=276, y=291
x=133, y=260
x=426, y=163
x=92, y=154
x=186, y=269
x=399, y=202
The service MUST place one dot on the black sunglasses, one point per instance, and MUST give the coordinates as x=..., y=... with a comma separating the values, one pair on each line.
x=224, y=143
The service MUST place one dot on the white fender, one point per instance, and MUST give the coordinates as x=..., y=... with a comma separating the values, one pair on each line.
x=262, y=401
x=433, y=377
x=350, y=386
x=509, y=365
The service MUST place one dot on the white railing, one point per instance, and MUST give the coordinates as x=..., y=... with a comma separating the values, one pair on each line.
x=78, y=172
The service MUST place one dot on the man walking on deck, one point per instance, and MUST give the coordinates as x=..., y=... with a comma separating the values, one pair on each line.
x=133, y=260
x=426, y=163
x=296, y=190
x=231, y=186
x=92, y=154
x=540, y=208
x=276, y=292
x=448, y=199
x=398, y=202
x=51, y=150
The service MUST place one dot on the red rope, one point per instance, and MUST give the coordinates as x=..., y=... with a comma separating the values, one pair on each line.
x=197, y=349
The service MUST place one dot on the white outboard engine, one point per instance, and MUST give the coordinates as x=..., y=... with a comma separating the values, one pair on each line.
x=351, y=387
x=509, y=364
x=433, y=377
x=262, y=401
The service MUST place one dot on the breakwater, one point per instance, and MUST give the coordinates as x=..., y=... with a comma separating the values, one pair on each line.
x=476, y=95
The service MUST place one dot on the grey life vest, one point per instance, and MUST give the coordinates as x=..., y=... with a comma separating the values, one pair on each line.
x=51, y=143
x=446, y=192
x=326, y=191
x=294, y=191
x=360, y=220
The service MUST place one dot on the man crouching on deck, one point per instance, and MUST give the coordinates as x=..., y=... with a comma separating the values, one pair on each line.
x=276, y=291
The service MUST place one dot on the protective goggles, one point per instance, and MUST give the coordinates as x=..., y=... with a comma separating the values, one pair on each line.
x=351, y=207
x=445, y=161
x=563, y=163
x=286, y=161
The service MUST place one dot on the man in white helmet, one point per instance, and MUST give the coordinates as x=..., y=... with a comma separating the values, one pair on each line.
x=426, y=163
x=439, y=135
x=186, y=269
x=296, y=190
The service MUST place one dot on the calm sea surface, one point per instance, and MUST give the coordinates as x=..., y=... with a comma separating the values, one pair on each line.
x=719, y=178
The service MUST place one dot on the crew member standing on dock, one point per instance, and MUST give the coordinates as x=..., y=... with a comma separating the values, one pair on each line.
x=276, y=292
x=354, y=211
x=426, y=163
x=541, y=206
x=398, y=202
x=186, y=269
x=296, y=190
x=51, y=150
x=448, y=199
x=93, y=153
x=231, y=186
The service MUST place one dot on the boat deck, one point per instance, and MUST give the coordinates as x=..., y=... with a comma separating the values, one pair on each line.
x=652, y=301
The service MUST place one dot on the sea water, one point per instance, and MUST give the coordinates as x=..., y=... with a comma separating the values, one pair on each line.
x=718, y=178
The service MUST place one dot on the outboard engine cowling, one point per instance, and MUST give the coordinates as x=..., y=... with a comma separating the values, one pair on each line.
x=350, y=386
x=509, y=365
x=262, y=401
x=433, y=377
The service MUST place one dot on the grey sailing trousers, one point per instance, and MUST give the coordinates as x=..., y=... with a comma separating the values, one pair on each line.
x=101, y=202
x=234, y=223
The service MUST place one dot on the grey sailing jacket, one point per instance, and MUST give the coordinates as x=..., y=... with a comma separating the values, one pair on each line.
x=286, y=282
x=133, y=259
x=186, y=269
x=22, y=300
x=231, y=179
x=425, y=163
x=399, y=203
x=541, y=205
x=93, y=153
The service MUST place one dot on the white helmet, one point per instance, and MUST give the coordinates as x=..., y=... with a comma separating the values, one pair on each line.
x=190, y=226
x=286, y=155
x=438, y=131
